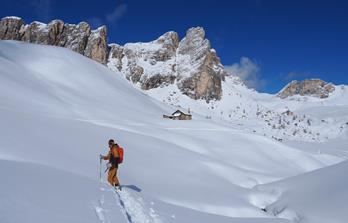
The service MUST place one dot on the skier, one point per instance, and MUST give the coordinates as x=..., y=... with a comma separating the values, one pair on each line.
x=115, y=156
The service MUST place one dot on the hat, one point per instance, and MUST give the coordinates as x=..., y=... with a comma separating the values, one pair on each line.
x=111, y=141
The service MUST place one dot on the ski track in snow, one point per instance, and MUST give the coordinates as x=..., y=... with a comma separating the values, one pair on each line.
x=99, y=209
x=131, y=204
x=134, y=209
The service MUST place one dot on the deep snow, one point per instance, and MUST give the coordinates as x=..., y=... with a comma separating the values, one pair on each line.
x=319, y=196
x=57, y=111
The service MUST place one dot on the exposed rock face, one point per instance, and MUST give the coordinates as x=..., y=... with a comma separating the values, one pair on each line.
x=9, y=28
x=97, y=46
x=191, y=63
x=199, y=69
x=55, y=31
x=314, y=87
x=75, y=37
x=78, y=38
x=41, y=33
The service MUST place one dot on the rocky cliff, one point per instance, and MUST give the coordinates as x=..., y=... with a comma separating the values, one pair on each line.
x=313, y=87
x=10, y=28
x=191, y=63
x=149, y=65
x=79, y=38
x=199, y=69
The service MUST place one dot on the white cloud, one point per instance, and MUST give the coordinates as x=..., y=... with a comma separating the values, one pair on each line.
x=248, y=71
x=112, y=18
x=116, y=14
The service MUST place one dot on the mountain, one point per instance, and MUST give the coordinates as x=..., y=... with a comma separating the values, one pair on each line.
x=314, y=87
x=294, y=118
x=79, y=38
x=191, y=63
x=187, y=73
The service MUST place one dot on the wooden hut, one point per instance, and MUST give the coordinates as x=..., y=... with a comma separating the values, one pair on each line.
x=178, y=115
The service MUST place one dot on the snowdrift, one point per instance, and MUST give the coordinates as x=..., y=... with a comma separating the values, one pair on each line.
x=319, y=196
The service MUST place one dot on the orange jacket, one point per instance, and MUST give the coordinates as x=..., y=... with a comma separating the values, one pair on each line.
x=113, y=151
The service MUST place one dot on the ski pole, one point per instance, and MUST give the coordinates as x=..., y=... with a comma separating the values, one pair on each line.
x=100, y=162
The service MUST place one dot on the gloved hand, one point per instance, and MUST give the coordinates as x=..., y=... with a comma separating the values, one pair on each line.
x=101, y=156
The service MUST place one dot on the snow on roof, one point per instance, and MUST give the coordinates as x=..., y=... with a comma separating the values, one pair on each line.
x=178, y=113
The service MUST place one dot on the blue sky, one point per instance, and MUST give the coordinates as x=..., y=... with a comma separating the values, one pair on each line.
x=268, y=42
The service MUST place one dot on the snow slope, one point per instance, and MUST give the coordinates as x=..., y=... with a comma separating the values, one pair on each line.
x=303, y=119
x=319, y=196
x=35, y=193
x=57, y=111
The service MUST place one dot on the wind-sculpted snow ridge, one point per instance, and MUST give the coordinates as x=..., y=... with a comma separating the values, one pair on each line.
x=57, y=111
x=325, y=194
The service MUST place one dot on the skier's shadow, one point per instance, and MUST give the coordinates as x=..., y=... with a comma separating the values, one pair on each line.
x=132, y=187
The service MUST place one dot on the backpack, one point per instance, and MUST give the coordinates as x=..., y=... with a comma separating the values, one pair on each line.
x=120, y=154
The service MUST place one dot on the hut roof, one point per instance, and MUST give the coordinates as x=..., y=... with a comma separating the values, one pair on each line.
x=178, y=112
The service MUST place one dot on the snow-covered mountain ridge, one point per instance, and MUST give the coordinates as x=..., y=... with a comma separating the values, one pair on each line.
x=294, y=118
x=79, y=38
x=187, y=73
x=191, y=63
